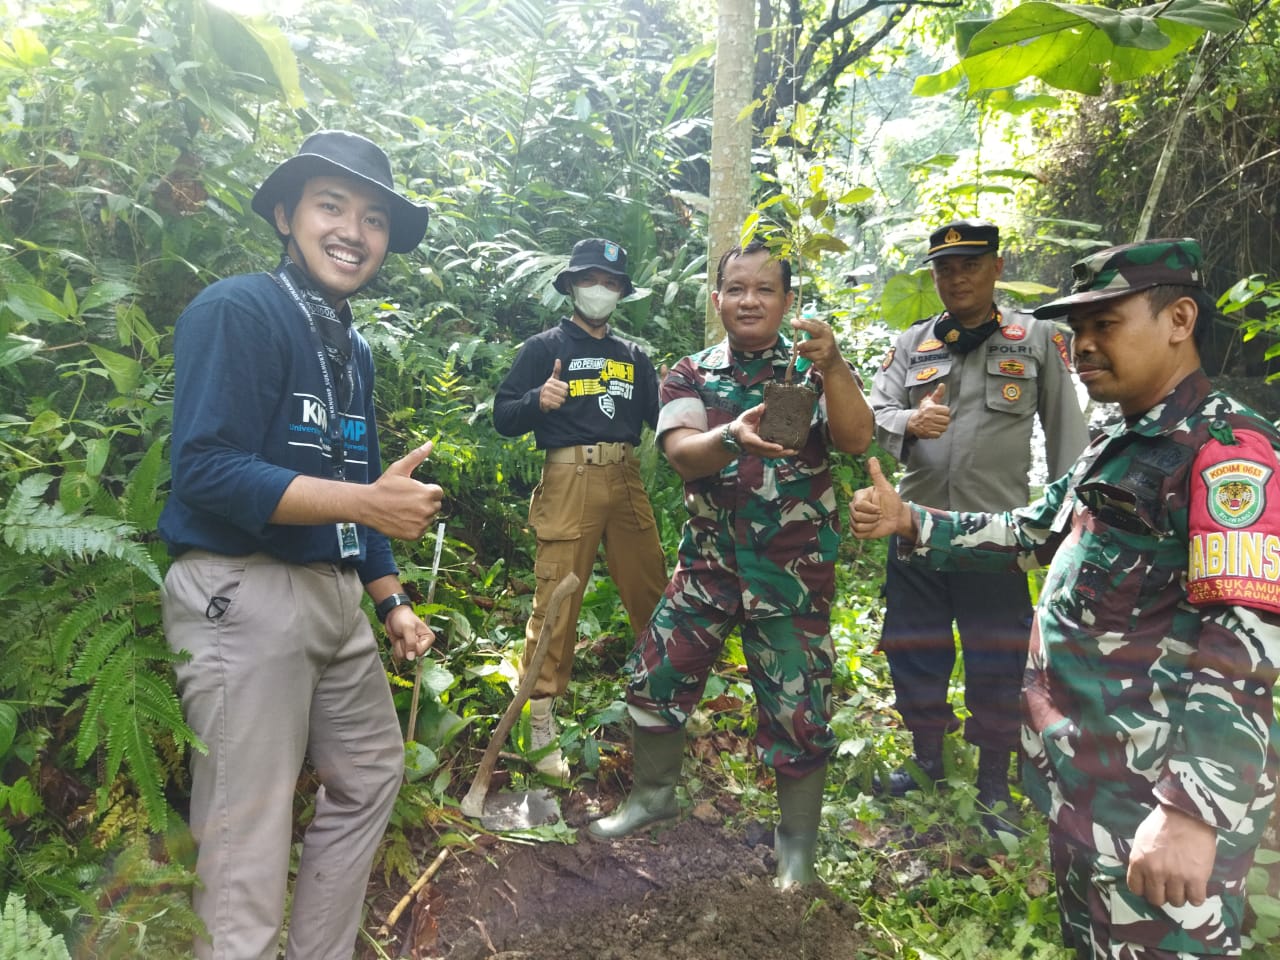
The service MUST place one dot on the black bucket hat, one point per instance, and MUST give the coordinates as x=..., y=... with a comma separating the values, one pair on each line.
x=595, y=254
x=341, y=153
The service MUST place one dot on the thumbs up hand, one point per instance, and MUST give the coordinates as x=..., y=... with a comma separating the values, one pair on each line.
x=400, y=506
x=931, y=419
x=877, y=510
x=553, y=393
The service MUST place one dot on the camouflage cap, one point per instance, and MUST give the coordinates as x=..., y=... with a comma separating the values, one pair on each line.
x=1130, y=268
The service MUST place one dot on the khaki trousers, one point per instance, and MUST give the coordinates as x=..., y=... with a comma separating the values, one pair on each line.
x=574, y=508
x=283, y=666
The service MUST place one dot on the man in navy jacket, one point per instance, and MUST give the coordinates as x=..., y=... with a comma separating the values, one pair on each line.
x=278, y=519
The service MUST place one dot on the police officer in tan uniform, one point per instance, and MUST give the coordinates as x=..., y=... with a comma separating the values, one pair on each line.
x=955, y=401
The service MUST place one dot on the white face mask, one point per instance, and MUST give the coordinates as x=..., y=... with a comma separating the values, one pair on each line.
x=595, y=302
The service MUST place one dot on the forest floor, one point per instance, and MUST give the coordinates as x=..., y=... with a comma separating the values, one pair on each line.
x=696, y=889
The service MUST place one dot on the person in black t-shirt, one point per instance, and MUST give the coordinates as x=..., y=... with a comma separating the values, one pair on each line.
x=586, y=395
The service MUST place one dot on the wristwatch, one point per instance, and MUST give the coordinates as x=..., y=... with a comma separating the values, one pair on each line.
x=729, y=440
x=386, y=605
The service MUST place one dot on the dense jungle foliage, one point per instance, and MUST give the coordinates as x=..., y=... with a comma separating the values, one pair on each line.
x=132, y=137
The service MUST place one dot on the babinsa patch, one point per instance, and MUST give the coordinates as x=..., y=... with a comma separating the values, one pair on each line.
x=1235, y=524
x=1237, y=491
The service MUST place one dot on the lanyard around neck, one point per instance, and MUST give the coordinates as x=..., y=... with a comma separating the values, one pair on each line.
x=310, y=304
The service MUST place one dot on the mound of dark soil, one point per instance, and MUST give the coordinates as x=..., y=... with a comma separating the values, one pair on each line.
x=691, y=892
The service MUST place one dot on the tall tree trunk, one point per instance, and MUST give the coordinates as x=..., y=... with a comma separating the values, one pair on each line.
x=1143, y=229
x=730, y=142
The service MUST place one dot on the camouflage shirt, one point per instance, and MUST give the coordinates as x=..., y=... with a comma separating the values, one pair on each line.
x=777, y=515
x=1157, y=636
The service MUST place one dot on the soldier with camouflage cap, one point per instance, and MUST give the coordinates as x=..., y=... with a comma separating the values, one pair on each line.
x=757, y=552
x=1149, y=720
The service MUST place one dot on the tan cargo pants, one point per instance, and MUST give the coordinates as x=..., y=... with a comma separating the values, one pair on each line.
x=575, y=507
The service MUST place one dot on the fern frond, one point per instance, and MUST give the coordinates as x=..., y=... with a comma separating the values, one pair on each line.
x=140, y=504
x=81, y=620
x=155, y=921
x=24, y=934
x=29, y=525
x=100, y=644
x=129, y=707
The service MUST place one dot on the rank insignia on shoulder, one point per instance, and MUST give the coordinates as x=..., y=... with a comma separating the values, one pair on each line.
x=1013, y=332
x=1011, y=392
x=1060, y=342
x=926, y=373
x=925, y=346
x=888, y=359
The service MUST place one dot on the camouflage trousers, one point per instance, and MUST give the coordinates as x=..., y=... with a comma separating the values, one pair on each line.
x=789, y=663
x=1103, y=920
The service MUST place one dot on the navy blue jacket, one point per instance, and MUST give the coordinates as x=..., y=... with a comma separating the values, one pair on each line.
x=249, y=413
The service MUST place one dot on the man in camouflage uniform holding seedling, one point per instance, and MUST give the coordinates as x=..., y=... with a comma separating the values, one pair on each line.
x=1149, y=721
x=758, y=552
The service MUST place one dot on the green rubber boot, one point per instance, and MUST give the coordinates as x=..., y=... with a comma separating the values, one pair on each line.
x=795, y=841
x=653, y=793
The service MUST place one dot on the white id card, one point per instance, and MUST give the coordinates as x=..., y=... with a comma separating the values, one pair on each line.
x=348, y=540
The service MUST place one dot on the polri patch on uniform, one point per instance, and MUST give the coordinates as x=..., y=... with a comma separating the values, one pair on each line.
x=933, y=343
x=1013, y=332
x=1060, y=342
x=1013, y=368
x=888, y=358
x=1235, y=524
x=926, y=373
x=1011, y=392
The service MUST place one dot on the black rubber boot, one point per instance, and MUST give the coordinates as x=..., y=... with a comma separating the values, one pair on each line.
x=795, y=841
x=656, y=768
x=927, y=756
x=993, y=792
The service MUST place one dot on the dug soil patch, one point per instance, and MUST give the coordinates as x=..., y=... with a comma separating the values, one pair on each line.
x=694, y=891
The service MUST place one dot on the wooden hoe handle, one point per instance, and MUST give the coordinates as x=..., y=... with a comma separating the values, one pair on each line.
x=473, y=802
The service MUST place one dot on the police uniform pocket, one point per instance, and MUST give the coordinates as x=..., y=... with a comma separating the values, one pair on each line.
x=1011, y=384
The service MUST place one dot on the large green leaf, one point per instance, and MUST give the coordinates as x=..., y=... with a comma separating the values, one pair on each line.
x=908, y=297
x=1074, y=47
x=275, y=45
x=125, y=372
x=1025, y=289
